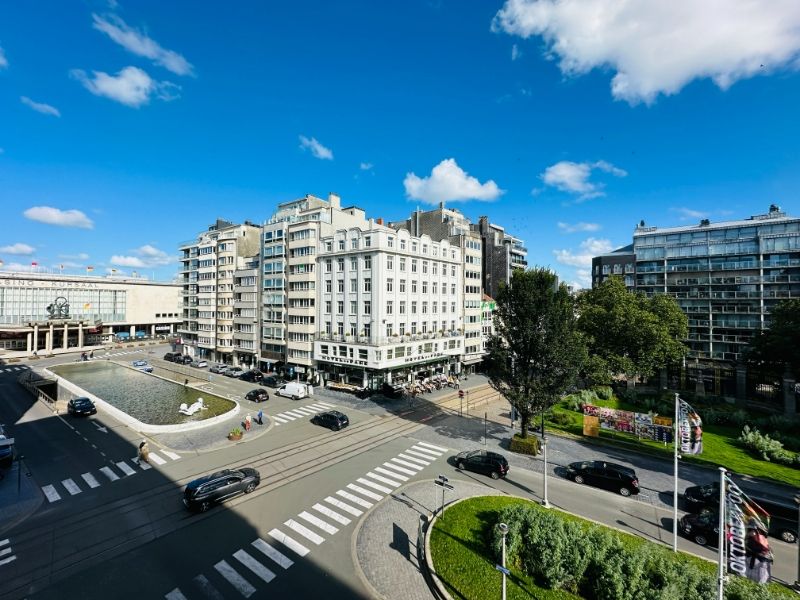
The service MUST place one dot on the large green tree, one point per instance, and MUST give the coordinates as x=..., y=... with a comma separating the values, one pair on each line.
x=536, y=351
x=778, y=348
x=629, y=333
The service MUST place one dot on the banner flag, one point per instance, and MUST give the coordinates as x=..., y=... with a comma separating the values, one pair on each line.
x=747, y=524
x=690, y=429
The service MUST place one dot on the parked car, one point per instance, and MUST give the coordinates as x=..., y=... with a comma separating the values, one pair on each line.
x=252, y=376
x=702, y=528
x=392, y=390
x=183, y=359
x=293, y=390
x=483, y=461
x=218, y=369
x=233, y=372
x=142, y=365
x=201, y=494
x=272, y=381
x=257, y=395
x=81, y=407
x=170, y=356
x=6, y=451
x=610, y=476
x=198, y=364
x=333, y=419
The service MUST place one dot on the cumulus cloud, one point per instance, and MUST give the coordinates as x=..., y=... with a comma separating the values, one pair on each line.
x=573, y=177
x=79, y=256
x=449, y=183
x=588, y=249
x=131, y=86
x=365, y=166
x=17, y=267
x=139, y=43
x=515, y=52
x=143, y=257
x=3, y=60
x=575, y=227
x=657, y=47
x=317, y=149
x=688, y=213
x=62, y=218
x=18, y=248
x=584, y=278
x=40, y=107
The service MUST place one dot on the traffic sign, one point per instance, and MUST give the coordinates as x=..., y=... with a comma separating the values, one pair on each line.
x=443, y=478
x=502, y=569
x=460, y=393
x=446, y=486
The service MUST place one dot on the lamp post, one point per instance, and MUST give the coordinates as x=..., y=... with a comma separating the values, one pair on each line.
x=503, y=528
x=545, y=503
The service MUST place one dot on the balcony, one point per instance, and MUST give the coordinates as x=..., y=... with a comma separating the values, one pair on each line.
x=271, y=355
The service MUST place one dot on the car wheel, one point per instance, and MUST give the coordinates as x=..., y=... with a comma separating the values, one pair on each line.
x=623, y=491
x=788, y=536
x=462, y=466
x=578, y=479
x=495, y=475
x=250, y=487
x=204, y=506
x=294, y=398
x=700, y=539
x=337, y=427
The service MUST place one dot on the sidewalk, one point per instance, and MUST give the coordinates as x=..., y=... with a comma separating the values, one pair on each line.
x=19, y=496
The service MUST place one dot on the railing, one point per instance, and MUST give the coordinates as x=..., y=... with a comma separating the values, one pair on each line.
x=384, y=340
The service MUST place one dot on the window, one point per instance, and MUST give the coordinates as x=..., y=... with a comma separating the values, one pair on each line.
x=444, y=307
x=362, y=354
x=327, y=306
x=390, y=242
x=367, y=262
x=402, y=286
x=367, y=307
x=328, y=286
x=367, y=329
x=390, y=262
x=402, y=307
x=353, y=330
x=328, y=327
x=389, y=353
x=353, y=307
x=434, y=306
x=402, y=244
x=425, y=327
x=424, y=287
x=413, y=287
x=453, y=289
x=435, y=287
x=340, y=307
x=389, y=331
x=452, y=270
x=328, y=265
x=413, y=327
x=424, y=267
x=340, y=286
x=414, y=247
x=414, y=307
x=340, y=331
x=354, y=243
x=368, y=285
x=367, y=241
x=424, y=308
x=328, y=248
x=389, y=307
x=340, y=264
x=413, y=265
x=453, y=307
x=323, y=349
x=402, y=264
x=354, y=285
x=353, y=263
x=402, y=329
x=435, y=268
x=341, y=244
x=424, y=248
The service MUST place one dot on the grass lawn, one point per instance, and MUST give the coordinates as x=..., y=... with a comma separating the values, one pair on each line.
x=461, y=554
x=720, y=445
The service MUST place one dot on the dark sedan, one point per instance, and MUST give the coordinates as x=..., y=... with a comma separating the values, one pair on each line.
x=272, y=381
x=482, y=461
x=702, y=528
x=253, y=376
x=81, y=407
x=201, y=494
x=333, y=419
x=257, y=395
x=606, y=475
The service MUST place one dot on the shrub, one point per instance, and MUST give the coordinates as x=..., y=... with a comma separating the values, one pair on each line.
x=530, y=445
x=587, y=396
x=739, y=418
x=573, y=402
x=604, y=392
x=767, y=448
x=560, y=418
x=235, y=432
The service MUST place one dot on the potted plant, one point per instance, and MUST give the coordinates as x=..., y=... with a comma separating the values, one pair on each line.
x=235, y=434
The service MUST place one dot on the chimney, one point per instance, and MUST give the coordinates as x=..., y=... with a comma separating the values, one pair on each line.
x=379, y=221
x=334, y=200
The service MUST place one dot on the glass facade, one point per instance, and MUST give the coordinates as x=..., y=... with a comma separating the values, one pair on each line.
x=22, y=304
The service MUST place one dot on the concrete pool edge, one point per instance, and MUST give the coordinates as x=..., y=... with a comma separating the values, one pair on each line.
x=136, y=424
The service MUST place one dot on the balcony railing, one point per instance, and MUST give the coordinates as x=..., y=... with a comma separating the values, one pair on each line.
x=385, y=340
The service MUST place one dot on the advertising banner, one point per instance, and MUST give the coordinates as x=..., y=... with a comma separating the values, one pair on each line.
x=690, y=429
x=643, y=425
x=747, y=524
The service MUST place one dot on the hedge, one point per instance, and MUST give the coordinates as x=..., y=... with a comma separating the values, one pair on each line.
x=530, y=445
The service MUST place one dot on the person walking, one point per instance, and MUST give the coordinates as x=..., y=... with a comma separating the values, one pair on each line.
x=248, y=421
x=260, y=417
x=91, y=354
x=144, y=452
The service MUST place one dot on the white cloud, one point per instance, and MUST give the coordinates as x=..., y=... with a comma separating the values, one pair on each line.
x=658, y=47
x=365, y=166
x=145, y=256
x=18, y=248
x=584, y=278
x=139, y=43
x=62, y=218
x=317, y=149
x=515, y=52
x=3, y=59
x=449, y=183
x=127, y=261
x=40, y=107
x=688, y=213
x=574, y=227
x=18, y=267
x=79, y=256
x=131, y=86
x=589, y=248
x=573, y=177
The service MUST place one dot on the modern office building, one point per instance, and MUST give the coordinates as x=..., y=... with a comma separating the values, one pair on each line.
x=502, y=254
x=620, y=262
x=46, y=312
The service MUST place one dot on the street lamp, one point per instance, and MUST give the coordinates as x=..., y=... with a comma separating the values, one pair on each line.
x=503, y=528
x=545, y=503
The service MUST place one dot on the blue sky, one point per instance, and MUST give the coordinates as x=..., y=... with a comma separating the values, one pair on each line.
x=128, y=127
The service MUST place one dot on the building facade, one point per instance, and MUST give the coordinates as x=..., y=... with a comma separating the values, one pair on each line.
x=620, y=263
x=502, y=255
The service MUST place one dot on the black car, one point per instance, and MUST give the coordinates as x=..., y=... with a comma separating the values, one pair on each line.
x=257, y=395
x=6, y=449
x=201, y=494
x=392, y=390
x=170, y=356
x=702, y=528
x=333, y=419
x=252, y=376
x=183, y=359
x=483, y=461
x=81, y=407
x=610, y=476
x=272, y=381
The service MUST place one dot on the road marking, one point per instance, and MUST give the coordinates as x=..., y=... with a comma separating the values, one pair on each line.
x=175, y=595
x=332, y=514
x=316, y=407
x=255, y=566
x=71, y=486
x=295, y=413
x=374, y=485
x=280, y=420
x=276, y=556
x=288, y=416
x=345, y=507
x=385, y=480
x=430, y=458
x=391, y=473
x=109, y=473
x=5, y=551
x=292, y=545
x=327, y=528
x=363, y=492
x=305, y=411
x=432, y=447
x=5, y=561
x=326, y=405
x=4, y=542
x=416, y=460
x=354, y=499
x=240, y=583
x=304, y=531
x=144, y=466
x=156, y=458
x=51, y=493
x=171, y=455
x=426, y=452
x=405, y=463
x=90, y=480
x=209, y=590
x=123, y=466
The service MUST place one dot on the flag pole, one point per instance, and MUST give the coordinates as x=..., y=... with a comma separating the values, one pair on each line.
x=721, y=539
x=675, y=436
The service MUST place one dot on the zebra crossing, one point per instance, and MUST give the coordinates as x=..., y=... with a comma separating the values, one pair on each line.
x=301, y=412
x=6, y=555
x=122, y=469
x=239, y=575
x=14, y=369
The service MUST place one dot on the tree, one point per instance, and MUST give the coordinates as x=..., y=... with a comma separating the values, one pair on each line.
x=626, y=332
x=536, y=351
x=778, y=348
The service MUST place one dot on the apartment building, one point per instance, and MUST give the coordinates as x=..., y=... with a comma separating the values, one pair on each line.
x=502, y=254
x=246, y=312
x=621, y=263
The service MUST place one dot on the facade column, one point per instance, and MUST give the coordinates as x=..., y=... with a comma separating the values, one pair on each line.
x=789, y=398
x=153, y=330
x=133, y=332
x=80, y=334
x=28, y=345
x=50, y=338
x=66, y=336
x=35, y=337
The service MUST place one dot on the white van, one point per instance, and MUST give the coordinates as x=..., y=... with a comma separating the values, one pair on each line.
x=293, y=390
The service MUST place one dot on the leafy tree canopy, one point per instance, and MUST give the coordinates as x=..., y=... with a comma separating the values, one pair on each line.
x=778, y=348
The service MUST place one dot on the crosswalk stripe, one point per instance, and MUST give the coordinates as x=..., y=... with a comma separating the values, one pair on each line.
x=304, y=531
x=355, y=499
x=326, y=527
x=426, y=452
x=279, y=419
x=374, y=485
x=288, y=416
x=90, y=480
x=109, y=473
x=17, y=369
x=391, y=474
x=171, y=455
x=391, y=465
x=4, y=542
x=363, y=492
x=50, y=493
x=432, y=447
x=156, y=458
x=71, y=487
x=383, y=479
x=405, y=463
x=419, y=461
x=123, y=466
x=5, y=551
x=5, y=561
x=276, y=556
x=295, y=413
x=175, y=595
x=291, y=544
x=316, y=407
x=209, y=590
x=331, y=514
x=255, y=566
x=326, y=405
x=237, y=581
x=425, y=456
x=305, y=411
x=345, y=507
x=143, y=465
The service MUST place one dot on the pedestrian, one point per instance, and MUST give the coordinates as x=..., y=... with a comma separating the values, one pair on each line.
x=185, y=382
x=91, y=354
x=144, y=452
x=260, y=417
x=248, y=421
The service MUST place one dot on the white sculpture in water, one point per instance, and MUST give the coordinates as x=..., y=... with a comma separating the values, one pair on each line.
x=190, y=410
